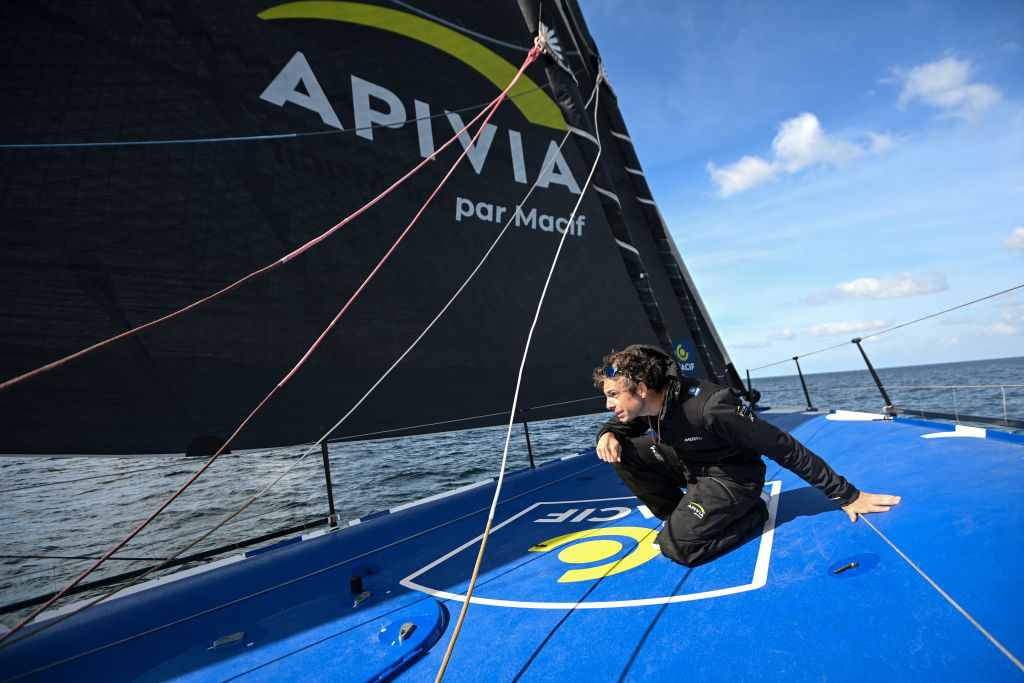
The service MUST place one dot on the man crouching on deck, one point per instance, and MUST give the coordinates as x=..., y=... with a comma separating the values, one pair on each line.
x=704, y=440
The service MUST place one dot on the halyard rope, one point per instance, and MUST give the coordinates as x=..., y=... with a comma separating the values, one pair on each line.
x=515, y=402
x=533, y=54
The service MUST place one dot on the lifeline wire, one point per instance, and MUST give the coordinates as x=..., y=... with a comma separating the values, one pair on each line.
x=890, y=329
x=515, y=402
x=946, y=595
x=534, y=53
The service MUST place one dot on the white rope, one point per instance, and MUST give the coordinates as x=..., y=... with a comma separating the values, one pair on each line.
x=319, y=441
x=946, y=595
x=366, y=395
x=515, y=398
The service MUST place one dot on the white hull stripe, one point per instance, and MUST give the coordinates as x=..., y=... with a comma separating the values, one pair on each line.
x=622, y=137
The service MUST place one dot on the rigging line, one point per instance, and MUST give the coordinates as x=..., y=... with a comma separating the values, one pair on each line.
x=248, y=278
x=515, y=402
x=951, y=601
x=398, y=430
x=895, y=327
x=367, y=394
x=534, y=53
x=298, y=579
x=249, y=138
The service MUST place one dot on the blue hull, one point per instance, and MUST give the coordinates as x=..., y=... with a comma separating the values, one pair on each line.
x=570, y=587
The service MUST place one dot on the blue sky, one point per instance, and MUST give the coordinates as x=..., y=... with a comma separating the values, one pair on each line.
x=833, y=169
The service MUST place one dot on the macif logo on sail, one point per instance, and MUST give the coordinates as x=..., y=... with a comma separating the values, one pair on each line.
x=686, y=356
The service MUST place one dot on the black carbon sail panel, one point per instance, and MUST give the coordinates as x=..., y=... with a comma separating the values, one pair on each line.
x=155, y=153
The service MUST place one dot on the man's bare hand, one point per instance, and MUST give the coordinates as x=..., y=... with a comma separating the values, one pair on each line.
x=608, y=448
x=870, y=502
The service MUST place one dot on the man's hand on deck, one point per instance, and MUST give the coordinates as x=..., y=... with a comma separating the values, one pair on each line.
x=868, y=502
x=608, y=448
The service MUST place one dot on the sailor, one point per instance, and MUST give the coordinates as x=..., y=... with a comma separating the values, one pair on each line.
x=672, y=432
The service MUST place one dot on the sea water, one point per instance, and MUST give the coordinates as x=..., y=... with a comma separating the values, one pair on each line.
x=53, y=509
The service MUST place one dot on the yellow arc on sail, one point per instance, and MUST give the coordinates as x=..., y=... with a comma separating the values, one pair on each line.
x=535, y=104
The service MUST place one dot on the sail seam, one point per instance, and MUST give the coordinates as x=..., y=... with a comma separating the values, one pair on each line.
x=254, y=138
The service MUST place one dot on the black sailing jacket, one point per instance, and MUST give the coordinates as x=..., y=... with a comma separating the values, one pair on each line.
x=708, y=424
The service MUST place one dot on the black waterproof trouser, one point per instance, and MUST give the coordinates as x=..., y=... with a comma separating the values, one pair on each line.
x=720, y=508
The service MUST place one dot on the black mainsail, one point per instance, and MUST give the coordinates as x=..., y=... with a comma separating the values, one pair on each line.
x=154, y=153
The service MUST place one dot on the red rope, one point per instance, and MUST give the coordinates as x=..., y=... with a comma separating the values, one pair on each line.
x=251, y=276
x=490, y=109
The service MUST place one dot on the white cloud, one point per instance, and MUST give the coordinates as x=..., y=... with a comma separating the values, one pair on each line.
x=1015, y=242
x=783, y=335
x=800, y=143
x=751, y=345
x=895, y=287
x=826, y=329
x=741, y=176
x=1000, y=329
x=946, y=85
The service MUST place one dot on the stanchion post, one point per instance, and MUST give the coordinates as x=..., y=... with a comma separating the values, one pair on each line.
x=878, y=382
x=807, y=396
x=330, y=489
x=529, y=446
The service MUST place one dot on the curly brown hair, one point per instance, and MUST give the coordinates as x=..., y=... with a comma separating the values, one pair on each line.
x=634, y=365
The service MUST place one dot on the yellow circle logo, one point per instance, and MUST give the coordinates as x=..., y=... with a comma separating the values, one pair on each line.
x=596, y=549
x=682, y=354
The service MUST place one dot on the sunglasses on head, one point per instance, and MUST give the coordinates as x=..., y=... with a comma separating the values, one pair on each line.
x=611, y=372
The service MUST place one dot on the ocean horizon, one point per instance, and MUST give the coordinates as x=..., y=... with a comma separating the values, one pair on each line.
x=60, y=507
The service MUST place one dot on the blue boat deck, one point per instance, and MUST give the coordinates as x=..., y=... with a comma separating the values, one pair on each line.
x=570, y=587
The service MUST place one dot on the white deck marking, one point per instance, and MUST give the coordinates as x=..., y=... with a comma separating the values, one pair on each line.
x=961, y=430
x=760, y=576
x=853, y=416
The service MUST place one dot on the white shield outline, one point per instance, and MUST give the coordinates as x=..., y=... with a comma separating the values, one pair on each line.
x=759, y=580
